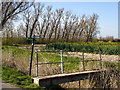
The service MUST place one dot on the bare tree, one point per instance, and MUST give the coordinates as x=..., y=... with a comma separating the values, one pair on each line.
x=47, y=23
x=81, y=27
x=59, y=13
x=37, y=10
x=31, y=18
x=91, y=27
x=53, y=23
x=27, y=19
x=8, y=31
x=67, y=25
x=21, y=31
x=11, y=9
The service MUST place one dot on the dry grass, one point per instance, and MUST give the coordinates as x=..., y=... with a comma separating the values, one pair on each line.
x=49, y=70
x=15, y=60
x=109, y=79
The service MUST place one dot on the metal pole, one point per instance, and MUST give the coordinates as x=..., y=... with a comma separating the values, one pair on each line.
x=36, y=63
x=83, y=64
x=62, y=63
x=30, y=69
x=100, y=59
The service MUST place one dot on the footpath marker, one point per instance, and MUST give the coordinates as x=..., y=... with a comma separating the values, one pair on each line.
x=31, y=59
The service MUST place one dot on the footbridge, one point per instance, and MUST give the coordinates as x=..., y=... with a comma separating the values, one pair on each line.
x=66, y=77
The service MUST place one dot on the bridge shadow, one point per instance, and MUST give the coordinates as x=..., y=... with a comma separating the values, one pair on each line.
x=54, y=87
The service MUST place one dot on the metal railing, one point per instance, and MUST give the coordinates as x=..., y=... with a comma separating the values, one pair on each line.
x=62, y=61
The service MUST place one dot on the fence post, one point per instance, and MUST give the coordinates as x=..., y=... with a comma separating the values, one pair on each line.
x=62, y=63
x=36, y=63
x=100, y=58
x=83, y=64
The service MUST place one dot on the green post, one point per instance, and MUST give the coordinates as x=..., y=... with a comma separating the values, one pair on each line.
x=31, y=59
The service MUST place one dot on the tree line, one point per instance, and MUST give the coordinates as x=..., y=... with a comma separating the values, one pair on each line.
x=49, y=24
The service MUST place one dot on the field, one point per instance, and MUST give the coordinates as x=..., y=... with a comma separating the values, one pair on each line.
x=110, y=48
x=16, y=57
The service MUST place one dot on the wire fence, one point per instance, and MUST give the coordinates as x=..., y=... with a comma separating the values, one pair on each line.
x=83, y=59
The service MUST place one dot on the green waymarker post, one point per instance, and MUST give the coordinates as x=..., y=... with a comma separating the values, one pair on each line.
x=33, y=42
x=30, y=39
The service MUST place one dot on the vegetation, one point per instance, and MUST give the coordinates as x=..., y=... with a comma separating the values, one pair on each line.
x=69, y=67
x=90, y=47
x=113, y=66
x=10, y=11
x=14, y=41
x=17, y=78
x=51, y=25
x=22, y=80
x=15, y=57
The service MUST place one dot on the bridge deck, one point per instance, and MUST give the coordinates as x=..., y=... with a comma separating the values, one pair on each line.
x=64, y=78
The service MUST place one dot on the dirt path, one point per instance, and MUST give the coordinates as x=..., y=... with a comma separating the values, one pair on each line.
x=7, y=86
x=112, y=58
x=36, y=47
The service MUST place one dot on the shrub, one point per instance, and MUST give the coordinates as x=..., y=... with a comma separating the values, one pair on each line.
x=106, y=48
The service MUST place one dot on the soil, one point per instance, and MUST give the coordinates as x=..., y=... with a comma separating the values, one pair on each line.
x=112, y=58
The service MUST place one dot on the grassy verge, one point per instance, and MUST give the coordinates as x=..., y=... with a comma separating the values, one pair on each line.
x=17, y=78
x=22, y=80
x=16, y=58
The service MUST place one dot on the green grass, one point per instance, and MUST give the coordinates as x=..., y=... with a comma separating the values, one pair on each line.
x=22, y=80
x=68, y=67
x=17, y=78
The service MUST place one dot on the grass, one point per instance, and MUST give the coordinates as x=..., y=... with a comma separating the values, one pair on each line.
x=17, y=78
x=16, y=58
x=13, y=55
x=68, y=67
x=22, y=80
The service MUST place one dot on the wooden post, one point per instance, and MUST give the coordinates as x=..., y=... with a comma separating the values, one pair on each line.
x=30, y=68
x=100, y=59
x=62, y=63
x=36, y=63
x=83, y=64
x=79, y=84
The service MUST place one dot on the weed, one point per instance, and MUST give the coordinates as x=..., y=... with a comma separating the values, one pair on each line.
x=16, y=77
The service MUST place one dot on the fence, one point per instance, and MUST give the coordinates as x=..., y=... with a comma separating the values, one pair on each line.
x=62, y=60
